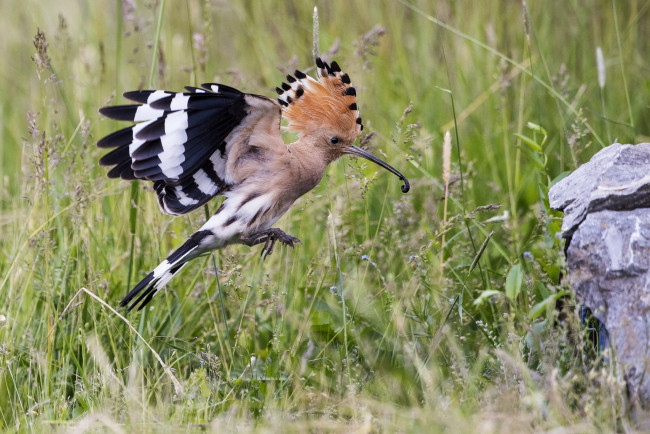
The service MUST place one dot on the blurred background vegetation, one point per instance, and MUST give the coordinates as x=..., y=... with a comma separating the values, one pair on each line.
x=393, y=314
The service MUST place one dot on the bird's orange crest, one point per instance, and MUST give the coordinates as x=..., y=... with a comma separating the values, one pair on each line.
x=310, y=105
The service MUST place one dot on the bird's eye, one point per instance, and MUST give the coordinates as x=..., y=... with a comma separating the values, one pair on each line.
x=334, y=140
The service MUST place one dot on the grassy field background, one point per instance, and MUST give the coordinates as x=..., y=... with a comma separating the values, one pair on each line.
x=392, y=315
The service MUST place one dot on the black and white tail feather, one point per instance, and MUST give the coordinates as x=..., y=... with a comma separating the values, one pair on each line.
x=163, y=273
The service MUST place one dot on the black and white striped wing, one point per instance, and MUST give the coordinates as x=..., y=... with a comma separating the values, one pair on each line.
x=180, y=142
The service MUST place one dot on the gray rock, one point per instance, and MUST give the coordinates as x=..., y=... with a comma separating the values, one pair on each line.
x=608, y=263
x=616, y=178
x=606, y=203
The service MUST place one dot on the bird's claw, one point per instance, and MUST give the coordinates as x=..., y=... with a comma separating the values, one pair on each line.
x=269, y=237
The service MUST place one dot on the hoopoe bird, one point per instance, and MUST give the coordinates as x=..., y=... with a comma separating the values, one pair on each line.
x=216, y=140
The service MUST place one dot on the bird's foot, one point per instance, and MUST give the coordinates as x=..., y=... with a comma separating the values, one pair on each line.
x=269, y=238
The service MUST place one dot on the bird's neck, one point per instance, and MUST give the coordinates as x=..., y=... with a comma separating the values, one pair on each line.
x=310, y=161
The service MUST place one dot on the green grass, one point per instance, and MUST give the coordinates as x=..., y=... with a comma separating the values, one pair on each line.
x=360, y=328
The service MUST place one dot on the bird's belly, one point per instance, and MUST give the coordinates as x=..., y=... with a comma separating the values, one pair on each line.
x=243, y=214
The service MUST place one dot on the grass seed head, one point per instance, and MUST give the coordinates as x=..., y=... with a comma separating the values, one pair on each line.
x=600, y=63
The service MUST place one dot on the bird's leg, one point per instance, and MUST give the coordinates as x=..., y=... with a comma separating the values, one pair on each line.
x=269, y=237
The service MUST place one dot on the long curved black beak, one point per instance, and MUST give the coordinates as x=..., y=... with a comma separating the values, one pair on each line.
x=368, y=156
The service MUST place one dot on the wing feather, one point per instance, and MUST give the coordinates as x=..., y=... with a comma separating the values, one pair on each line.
x=182, y=141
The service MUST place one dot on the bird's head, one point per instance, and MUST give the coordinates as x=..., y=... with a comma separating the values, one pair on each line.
x=326, y=111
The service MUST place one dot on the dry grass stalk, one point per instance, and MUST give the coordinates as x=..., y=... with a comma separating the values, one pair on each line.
x=446, y=169
x=600, y=63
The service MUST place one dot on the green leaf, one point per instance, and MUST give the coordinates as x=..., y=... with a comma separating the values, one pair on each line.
x=513, y=282
x=560, y=177
x=321, y=317
x=538, y=158
x=530, y=142
x=541, y=307
x=486, y=294
x=538, y=129
x=533, y=126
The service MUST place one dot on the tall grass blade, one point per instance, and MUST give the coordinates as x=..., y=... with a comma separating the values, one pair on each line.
x=622, y=65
